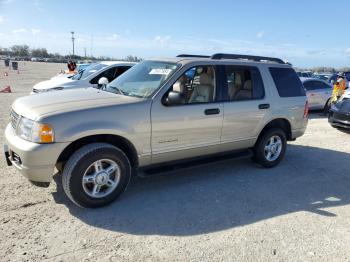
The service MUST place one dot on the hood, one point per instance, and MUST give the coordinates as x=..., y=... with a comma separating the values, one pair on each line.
x=52, y=83
x=61, y=75
x=33, y=107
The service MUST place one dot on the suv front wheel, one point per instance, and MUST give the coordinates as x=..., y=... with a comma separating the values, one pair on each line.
x=270, y=148
x=96, y=174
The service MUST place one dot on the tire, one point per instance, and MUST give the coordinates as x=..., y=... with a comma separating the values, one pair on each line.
x=260, y=154
x=327, y=107
x=87, y=187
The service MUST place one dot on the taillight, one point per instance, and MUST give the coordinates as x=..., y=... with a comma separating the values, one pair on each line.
x=306, y=109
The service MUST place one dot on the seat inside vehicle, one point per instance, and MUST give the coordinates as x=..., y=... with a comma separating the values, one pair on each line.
x=203, y=92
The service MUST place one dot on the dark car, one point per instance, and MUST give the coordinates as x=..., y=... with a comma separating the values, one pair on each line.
x=339, y=114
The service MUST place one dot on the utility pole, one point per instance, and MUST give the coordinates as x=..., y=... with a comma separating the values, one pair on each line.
x=72, y=32
x=85, y=52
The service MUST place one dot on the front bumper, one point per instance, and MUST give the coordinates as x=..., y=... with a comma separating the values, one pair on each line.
x=35, y=161
x=339, y=119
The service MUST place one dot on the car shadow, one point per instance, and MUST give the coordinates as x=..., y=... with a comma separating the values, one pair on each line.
x=317, y=114
x=346, y=131
x=224, y=195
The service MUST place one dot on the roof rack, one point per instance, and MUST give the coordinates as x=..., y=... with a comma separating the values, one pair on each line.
x=247, y=57
x=199, y=56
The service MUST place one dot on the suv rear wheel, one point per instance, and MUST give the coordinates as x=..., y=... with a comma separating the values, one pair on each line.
x=96, y=174
x=270, y=148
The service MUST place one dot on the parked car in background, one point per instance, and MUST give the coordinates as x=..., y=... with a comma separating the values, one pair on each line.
x=322, y=76
x=318, y=93
x=304, y=74
x=80, y=68
x=339, y=114
x=89, y=77
x=160, y=112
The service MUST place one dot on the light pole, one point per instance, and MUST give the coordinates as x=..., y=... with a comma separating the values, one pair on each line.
x=72, y=32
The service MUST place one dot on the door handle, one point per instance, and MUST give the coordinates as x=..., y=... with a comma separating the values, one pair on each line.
x=264, y=106
x=212, y=111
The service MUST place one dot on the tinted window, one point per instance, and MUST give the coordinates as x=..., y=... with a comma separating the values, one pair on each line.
x=243, y=83
x=287, y=82
x=308, y=85
x=320, y=85
x=110, y=74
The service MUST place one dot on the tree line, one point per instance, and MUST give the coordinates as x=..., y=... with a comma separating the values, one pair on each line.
x=324, y=69
x=25, y=52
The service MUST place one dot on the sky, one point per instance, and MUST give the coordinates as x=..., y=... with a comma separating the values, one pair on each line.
x=305, y=33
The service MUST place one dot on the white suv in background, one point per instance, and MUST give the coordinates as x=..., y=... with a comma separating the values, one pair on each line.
x=89, y=77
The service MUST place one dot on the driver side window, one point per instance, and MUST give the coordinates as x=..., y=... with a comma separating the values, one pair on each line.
x=110, y=74
x=196, y=85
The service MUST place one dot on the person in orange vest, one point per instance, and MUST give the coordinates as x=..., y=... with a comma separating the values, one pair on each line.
x=338, y=88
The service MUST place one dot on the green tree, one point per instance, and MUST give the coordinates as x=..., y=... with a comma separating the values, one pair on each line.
x=39, y=52
x=20, y=50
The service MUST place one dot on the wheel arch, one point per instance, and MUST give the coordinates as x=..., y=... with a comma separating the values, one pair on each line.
x=118, y=141
x=282, y=123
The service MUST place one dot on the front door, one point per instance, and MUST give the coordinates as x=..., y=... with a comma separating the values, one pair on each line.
x=191, y=127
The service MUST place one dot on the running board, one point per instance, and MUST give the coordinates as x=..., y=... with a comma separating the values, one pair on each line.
x=176, y=166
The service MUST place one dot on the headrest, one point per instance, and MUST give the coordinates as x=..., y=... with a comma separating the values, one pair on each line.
x=248, y=85
x=205, y=79
x=177, y=87
x=238, y=79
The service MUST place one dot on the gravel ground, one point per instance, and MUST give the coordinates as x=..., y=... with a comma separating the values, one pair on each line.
x=229, y=211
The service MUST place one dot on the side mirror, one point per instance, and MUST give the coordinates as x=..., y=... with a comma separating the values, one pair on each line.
x=103, y=81
x=174, y=98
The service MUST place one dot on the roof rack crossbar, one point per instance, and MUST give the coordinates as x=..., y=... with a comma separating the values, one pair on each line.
x=247, y=57
x=199, y=56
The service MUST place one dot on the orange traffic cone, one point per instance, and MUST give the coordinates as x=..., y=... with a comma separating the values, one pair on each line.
x=6, y=89
x=6, y=74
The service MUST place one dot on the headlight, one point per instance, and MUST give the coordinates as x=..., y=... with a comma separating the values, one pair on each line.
x=35, y=132
x=24, y=128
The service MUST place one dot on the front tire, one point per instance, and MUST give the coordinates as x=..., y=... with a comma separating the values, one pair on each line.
x=270, y=148
x=95, y=175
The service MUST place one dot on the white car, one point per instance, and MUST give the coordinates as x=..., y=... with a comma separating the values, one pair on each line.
x=86, y=78
x=65, y=74
x=318, y=93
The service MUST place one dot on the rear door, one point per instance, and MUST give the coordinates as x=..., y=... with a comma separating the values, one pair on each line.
x=245, y=106
x=310, y=93
x=322, y=92
x=318, y=93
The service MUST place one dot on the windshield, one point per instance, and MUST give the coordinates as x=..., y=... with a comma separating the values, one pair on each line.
x=88, y=71
x=143, y=79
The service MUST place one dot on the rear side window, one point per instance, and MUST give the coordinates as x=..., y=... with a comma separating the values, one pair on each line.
x=243, y=83
x=287, y=82
x=309, y=85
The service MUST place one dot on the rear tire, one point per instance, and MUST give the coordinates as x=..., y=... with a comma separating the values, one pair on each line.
x=95, y=175
x=327, y=107
x=270, y=148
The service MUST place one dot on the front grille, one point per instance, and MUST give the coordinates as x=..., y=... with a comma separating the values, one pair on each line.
x=14, y=119
x=16, y=158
